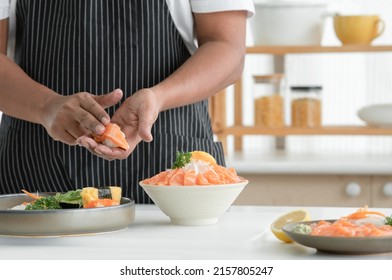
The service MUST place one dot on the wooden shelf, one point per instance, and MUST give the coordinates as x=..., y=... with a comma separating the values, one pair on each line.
x=239, y=130
x=282, y=50
x=279, y=52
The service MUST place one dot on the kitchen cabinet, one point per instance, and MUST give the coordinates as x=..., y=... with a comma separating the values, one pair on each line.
x=317, y=190
x=381, y=193
x=238, y=129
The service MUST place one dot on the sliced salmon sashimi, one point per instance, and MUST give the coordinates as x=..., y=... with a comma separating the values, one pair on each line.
x=356, y=224
x=344, y=228
x=215, y=175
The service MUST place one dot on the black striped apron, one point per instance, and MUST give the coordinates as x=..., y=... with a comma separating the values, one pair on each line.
x=96, y=46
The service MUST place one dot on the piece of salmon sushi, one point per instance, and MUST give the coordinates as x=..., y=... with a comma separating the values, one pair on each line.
x=113, y=137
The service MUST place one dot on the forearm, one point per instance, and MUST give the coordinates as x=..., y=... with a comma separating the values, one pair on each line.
x=216, y=64
x=20, y=96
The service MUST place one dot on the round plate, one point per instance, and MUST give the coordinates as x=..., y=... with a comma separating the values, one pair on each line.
x=62, y=222
x=377, y=115
x=340, y=245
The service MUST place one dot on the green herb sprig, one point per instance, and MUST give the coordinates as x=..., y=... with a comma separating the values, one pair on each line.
x=44, y=203
x=182, y=159
x=53, y=201
x=388, y=220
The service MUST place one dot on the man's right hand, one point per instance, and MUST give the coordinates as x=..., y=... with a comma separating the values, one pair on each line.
x=69, y=117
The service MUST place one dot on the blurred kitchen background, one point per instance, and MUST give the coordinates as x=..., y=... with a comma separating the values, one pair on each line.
x=318, y=169
x=349, y=82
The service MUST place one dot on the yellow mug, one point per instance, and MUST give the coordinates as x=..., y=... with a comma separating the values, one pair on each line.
x=358, y=29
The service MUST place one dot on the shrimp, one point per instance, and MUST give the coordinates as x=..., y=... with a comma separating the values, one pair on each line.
x=33, y=196
x=363, y=213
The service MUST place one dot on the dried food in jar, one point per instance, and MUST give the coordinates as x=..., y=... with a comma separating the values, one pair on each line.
x=306, y=112
x=306, y=106
x=269, y=111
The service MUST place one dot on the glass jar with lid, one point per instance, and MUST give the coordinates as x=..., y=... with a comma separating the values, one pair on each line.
x=269, y=103
x=306, y=106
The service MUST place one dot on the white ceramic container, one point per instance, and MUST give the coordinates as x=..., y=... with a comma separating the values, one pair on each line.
x=194, y=205
x=288, y=23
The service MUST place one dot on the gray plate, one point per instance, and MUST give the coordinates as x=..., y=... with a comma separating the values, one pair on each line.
x=63, y=222
x=340, y=245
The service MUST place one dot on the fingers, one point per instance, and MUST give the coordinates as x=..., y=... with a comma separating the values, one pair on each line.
x=147, y=115
x=144, y=130
x=110, y=153
x=92, y=116
x=136, y=116
x=65, y=137
x=69, y=117
x=68, y=139
x=76, y=130
x=95, y=117
x=102, y=150
x=109, y=99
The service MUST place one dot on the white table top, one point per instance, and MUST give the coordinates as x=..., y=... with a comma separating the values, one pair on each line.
x=242, y=233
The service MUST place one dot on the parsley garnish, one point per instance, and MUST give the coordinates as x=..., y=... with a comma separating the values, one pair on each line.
x=44, y=203
x=53, y=201
x=388, y=220
x=182, y=159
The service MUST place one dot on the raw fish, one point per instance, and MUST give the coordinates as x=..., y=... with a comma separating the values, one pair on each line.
x=113, y=137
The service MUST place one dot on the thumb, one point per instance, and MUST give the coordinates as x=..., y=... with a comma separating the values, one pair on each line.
x=144, y=130
x=109, y=99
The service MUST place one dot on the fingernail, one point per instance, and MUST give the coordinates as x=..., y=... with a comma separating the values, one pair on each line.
x=99, y=128
x=105, y=120
x=119, y=91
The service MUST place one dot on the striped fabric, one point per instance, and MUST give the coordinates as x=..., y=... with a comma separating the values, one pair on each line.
x=97, y=46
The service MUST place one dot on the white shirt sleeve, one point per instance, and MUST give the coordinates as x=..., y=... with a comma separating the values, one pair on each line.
x=181, y=12
x=4, y=9
x=209, y=6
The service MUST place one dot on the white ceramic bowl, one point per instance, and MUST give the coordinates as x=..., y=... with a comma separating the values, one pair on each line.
x=194, y=205
x=377, y=115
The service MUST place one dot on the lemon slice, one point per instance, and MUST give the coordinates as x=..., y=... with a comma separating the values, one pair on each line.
x=296, y=216
x=204, y=156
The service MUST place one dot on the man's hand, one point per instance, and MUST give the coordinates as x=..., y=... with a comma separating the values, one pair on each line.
x=135, y=117
x=70, y=117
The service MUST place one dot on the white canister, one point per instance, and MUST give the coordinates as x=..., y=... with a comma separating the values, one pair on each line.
x=4, y=9
x=4, y=14
x=288, y=23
